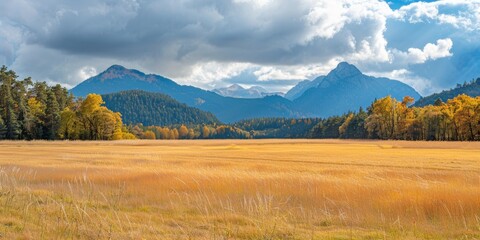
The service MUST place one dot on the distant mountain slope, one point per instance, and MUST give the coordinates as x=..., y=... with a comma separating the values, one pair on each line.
x=238, y=91
x=227, y=109
x=471, y=89
x=154, y=109
x=303, y=86
x=345, y=89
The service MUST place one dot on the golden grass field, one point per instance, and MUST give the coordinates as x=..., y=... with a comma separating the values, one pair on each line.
x=240, y=189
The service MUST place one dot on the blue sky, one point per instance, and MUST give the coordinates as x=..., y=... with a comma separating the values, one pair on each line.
x=399, y=3
x=431, y=45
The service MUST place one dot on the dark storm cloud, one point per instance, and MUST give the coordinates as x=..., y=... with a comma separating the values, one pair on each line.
x=199, y=42
x=226, y=29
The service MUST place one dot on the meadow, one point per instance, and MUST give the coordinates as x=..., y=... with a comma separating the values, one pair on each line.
x=239, y=189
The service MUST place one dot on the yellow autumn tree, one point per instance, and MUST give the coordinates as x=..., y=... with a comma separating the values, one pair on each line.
x=381, y=121
x=68, y=124
x=174, y=134
x=149, y=135
x=205, y=132
x=466, y=113
x=99, y=122
x=183, y=132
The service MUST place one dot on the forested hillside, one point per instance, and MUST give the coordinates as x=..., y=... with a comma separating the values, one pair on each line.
x=471, y=89
x=226, y=109
x=155, y=109
x=344, y=89
x=31, y=110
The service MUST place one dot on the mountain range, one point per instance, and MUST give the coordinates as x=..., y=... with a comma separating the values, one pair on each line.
x=237, y=91
x=344, y=89
x=226, y=109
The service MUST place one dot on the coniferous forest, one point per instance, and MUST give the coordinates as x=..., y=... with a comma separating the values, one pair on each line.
x=155, y=109
x=34, y=110
x=31, y=110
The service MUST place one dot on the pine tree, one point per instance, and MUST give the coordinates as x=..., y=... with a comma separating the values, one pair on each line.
x=12, y=128
x=438, y=102
x=19, y=93
x=52, y=117
x=2, y=128
x=40, y=92
x=64, y=98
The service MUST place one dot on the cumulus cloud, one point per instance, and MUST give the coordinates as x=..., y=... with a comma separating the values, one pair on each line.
x=206, y=42
x=267, y=73
x=206, y=74
x=87, y=72
x=184, y=39
x=463, y=14
x=430, y=52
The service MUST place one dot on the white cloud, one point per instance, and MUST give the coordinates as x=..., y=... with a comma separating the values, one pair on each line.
x=256, y=3
x=189, y=39
x=430, y=52
x=206, y=74
x=87, y=72
x=350, y=20
x=464, y=14
x=204, y=42
x=267, y=73
x=439, y=50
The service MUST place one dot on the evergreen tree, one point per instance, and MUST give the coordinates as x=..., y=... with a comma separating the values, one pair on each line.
x=52, y=117
x=64, y=98
x=356, y=127
x=11, y=123
x=2, y=128
x=19, y=93
x=40, y=92
x=8, y=103
x=438, y=102
x=38, y=111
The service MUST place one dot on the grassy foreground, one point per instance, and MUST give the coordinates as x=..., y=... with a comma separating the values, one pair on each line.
x=240, y=189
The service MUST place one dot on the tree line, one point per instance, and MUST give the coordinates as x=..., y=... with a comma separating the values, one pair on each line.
x=246, y=129
x=278, y=127
x=458, y=119
x=199, y=131
x=31, y=110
